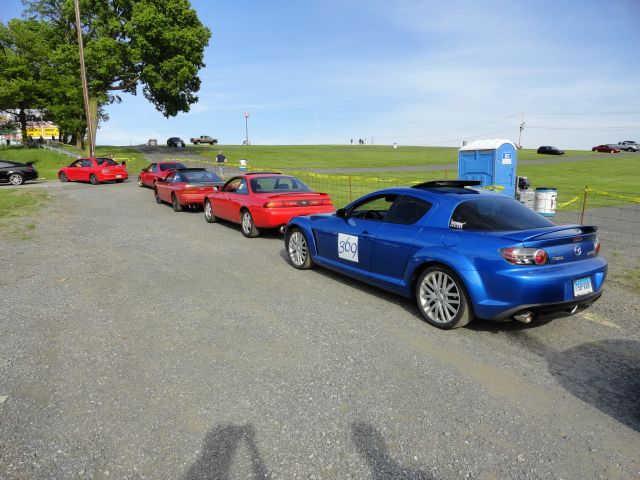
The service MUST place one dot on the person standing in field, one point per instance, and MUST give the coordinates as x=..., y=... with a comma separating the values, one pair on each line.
x=220, y=161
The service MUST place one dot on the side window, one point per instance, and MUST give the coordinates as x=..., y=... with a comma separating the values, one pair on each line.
x=232, y=186
x=242, y=187
x=375, y=208
x=86, y=163
x=407, y=210
x=77, y=163
x=177, y=178
x=153, y=168
x=169, y=178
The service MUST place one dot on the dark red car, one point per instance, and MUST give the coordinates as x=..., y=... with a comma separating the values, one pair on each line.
x=153, y=172
x=605, y=149
x=95, y=170
x=186, y=187
x=263, y=200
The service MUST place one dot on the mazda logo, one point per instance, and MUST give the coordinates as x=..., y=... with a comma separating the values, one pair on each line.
x=577, y=250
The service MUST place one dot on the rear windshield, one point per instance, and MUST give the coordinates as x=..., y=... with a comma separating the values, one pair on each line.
x=170, y=166
x=495, y=214
x=278, y=183
x=106, y=161
x=203, y=176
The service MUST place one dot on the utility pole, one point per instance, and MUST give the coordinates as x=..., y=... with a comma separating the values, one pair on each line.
x=83, y=77
x=246, y=127
x=521, y=129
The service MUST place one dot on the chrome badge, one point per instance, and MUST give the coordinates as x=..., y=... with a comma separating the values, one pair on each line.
x=577, y=250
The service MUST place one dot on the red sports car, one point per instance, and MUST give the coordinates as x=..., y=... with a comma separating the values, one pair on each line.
x=263, y=200
x=186, y=187
x=605, y=149
x=94, y=170
x=153, y=172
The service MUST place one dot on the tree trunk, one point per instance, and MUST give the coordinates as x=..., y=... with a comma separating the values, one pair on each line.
x=93, y=114
x=22, y=117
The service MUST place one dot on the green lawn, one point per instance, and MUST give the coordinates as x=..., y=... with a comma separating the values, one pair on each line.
x=337, y=156
x=47, y=163
x=15, y=204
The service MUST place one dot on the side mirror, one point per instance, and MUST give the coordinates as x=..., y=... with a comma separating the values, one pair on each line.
x=341, y=212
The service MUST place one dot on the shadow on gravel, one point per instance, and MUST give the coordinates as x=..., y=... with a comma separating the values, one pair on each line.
x=371, y=447
x=604, y=374
x=217, y=454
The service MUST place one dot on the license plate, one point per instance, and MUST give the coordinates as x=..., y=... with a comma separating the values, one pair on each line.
x=582, y=286
x=118, y=176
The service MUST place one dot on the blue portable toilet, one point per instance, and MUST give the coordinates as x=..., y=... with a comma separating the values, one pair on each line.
x=493, y=162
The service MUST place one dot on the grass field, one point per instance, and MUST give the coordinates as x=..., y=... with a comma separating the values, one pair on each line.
x=16, y=204
x=345, y=156
x=47, y=163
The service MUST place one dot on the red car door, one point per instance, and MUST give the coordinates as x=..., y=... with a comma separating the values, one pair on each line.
x=233, y=196
x=73, y=171
x=164, y=186
x=87, y=169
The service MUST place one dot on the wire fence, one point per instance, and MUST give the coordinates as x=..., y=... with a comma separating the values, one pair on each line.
x=616, y=214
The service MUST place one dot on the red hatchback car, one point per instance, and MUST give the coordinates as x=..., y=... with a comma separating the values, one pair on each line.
x=263, y=200
x=95, y=170
x=605, y=149
x=153, y=172
x=186, y=187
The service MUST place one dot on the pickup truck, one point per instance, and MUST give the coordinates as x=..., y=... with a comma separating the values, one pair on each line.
x=204, y=139
x=629, y=146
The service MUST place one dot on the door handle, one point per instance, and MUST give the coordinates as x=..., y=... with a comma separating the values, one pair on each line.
x=366, y=234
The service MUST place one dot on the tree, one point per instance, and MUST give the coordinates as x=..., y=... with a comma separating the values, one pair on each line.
x=156, y=46
x=22, y=57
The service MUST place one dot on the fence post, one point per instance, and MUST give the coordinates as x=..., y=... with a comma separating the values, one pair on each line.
x=584, y=204
x=350, y=196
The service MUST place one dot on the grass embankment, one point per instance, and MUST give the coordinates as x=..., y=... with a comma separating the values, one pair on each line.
x=47, y=162
x=347, y=156
x=16, y=206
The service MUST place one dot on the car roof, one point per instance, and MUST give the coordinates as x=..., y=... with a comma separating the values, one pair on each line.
x=177, y=170
x=165, y=162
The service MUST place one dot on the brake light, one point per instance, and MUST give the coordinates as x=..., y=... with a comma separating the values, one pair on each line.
x=524, y=256
x=298, y=203
x=596, y=246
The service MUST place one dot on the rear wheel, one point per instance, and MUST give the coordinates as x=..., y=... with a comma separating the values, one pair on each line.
x=248, y=228
x=140, y=182
x=298, y=249
x=175, y=203
x=16, y=179
x=63, y=177
x=442, y=299
x=208, y=211
x=156, y=194
x=93, y=179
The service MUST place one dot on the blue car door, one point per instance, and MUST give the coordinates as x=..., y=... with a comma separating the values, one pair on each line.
x=395, y=241
x=347, y=242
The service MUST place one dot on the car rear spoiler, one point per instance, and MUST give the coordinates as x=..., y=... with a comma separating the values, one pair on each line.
x=528, y=235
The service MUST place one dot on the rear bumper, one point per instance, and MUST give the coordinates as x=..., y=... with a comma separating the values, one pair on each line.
x=191, y=198
x=551, y=308
x=278, y=217
x=112, y=177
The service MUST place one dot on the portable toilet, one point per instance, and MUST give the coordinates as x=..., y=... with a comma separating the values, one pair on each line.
x=493, y=162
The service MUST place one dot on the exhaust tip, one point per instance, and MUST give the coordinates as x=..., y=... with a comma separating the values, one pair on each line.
x=572, y=310
x=525, y=316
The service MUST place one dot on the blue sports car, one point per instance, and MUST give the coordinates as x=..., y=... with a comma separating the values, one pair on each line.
x=460, y=253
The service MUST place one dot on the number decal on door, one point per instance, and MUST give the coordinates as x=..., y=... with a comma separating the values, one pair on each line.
x=348, y=247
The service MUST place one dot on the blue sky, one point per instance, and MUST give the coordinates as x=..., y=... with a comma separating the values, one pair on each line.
x=409, y=71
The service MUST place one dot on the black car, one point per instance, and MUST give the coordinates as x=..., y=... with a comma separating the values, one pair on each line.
x=548, y=150
x=17, y=173
x=175, y=142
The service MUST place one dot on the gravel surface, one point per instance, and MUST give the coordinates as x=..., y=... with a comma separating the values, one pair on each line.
x=142, y=343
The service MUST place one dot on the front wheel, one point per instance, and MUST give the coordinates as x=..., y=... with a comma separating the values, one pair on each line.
x=442, y=299
x=297, y=248
x=208, y=212
x=249, y=229
x=175, y=203
x=156, y=194
x=63, y=177
x=16, y=179
x=93, y=179
x=140, y=182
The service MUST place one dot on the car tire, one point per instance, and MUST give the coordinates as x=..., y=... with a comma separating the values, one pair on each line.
x=442, y=299
x=140, y=184
x=247, y=226
x=209, y=216
x=156, y=194
x=175, y=203
x=297, y=247
x=16, y=179
x=62, y=177
x=93, y=179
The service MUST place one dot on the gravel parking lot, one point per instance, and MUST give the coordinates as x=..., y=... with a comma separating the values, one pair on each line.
x=142, y=343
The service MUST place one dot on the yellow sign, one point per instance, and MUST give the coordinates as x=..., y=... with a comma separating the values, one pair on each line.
x=44, y=132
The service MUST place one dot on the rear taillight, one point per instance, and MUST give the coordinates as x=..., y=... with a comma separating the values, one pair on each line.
x=596, y=246
x=297, y=203
x=524, y=256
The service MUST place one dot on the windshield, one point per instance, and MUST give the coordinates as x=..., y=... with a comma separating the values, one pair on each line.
x=278, y=183
x=202, y=176
x=170, y=166
x=496, y=214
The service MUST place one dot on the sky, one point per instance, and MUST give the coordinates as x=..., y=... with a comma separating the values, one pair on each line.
x=411, y=72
